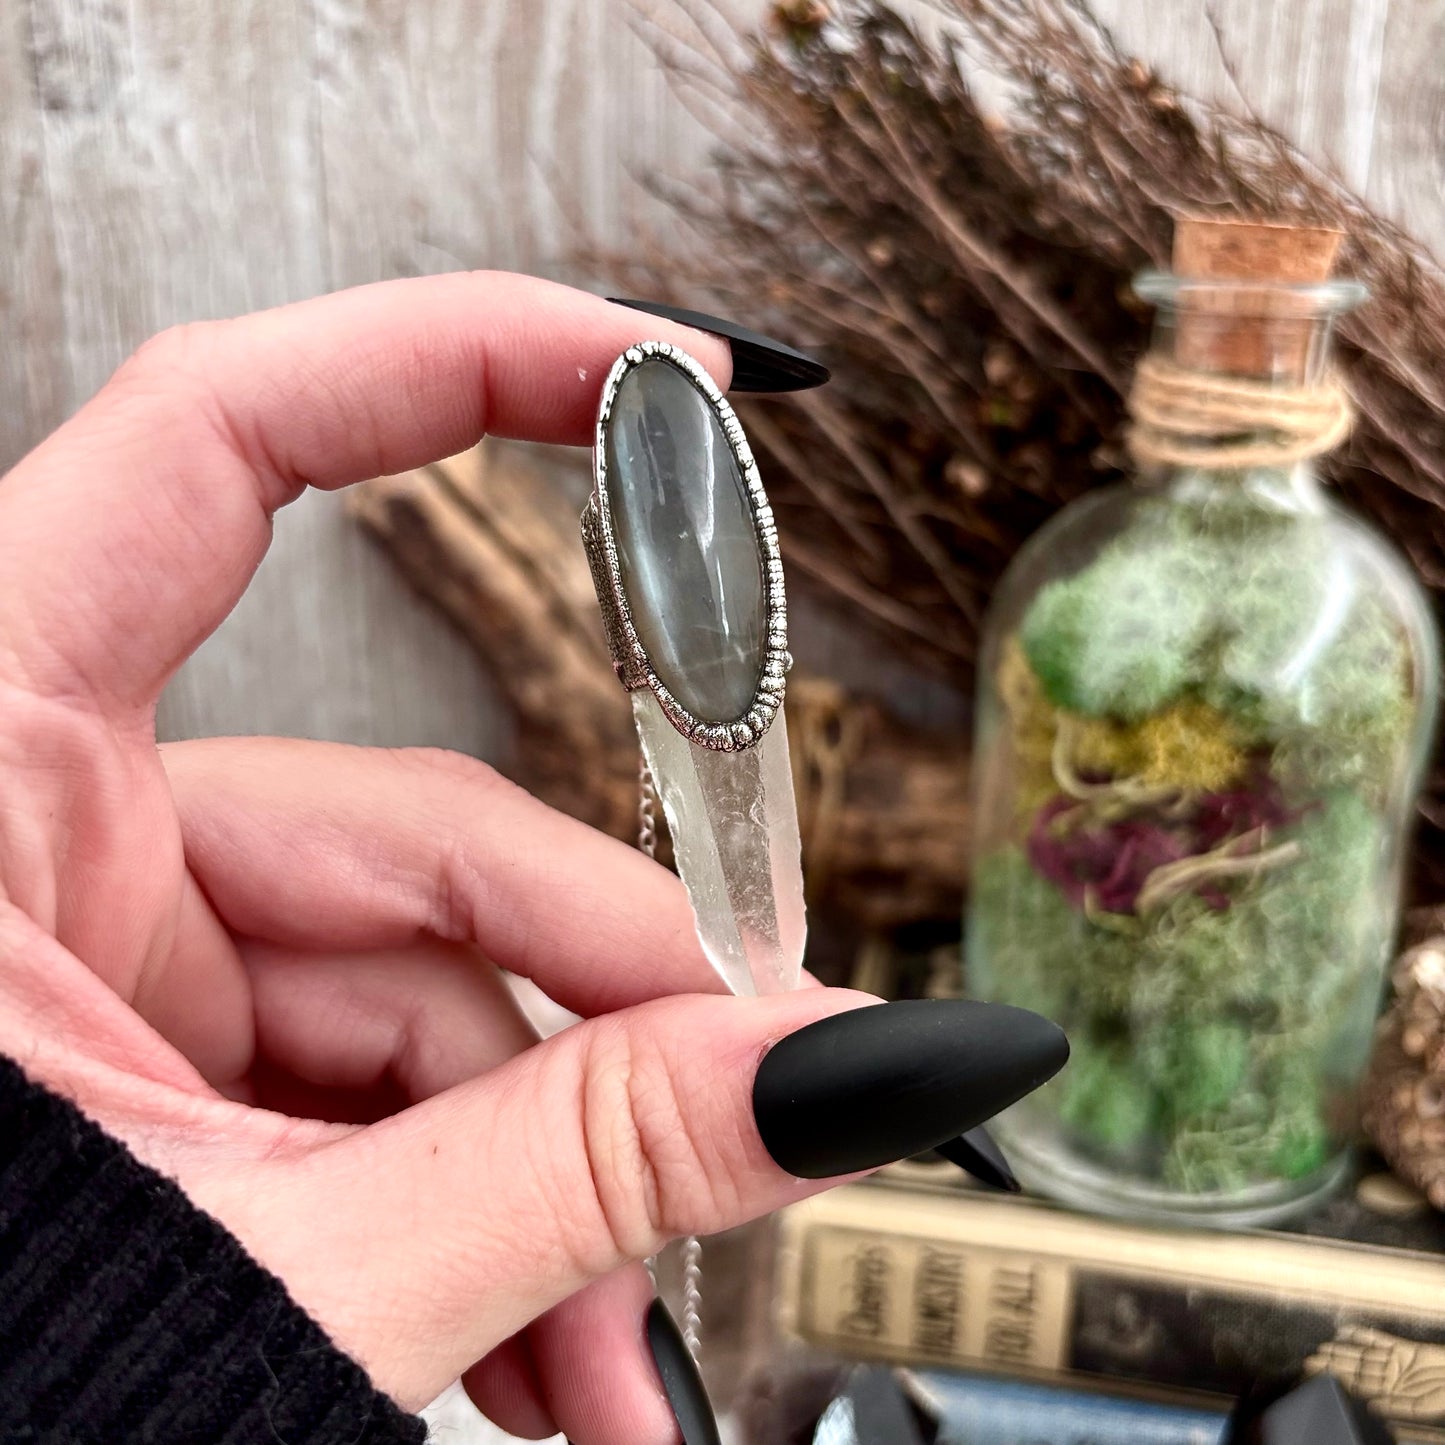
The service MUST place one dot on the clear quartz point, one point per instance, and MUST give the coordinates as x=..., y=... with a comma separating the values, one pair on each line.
x=734, y=829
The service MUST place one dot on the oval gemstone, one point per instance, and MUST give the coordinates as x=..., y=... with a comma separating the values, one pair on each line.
x=691, y=565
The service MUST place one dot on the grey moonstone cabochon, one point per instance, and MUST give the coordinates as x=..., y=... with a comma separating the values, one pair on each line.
x=687, y=544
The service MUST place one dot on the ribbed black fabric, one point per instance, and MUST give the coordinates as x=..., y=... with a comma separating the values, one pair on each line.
x=128, y=1315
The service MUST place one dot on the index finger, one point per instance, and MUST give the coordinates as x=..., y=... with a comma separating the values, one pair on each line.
x=128, y=535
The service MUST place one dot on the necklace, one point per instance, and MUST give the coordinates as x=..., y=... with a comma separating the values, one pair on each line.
x=684, y=556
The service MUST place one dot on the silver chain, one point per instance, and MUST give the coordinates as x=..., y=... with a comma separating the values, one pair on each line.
x=646, y=810
x=692, y=1245
x=692, y=1294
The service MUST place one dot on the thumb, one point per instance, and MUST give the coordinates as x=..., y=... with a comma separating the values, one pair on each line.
x=468, y=1215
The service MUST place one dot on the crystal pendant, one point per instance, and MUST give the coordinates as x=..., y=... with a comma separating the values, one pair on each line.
x=684, y=555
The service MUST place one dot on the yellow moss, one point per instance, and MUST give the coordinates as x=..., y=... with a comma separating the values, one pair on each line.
x=1190, y=745
x=1105, y=747
x=1020, y=689
x=1033, y=723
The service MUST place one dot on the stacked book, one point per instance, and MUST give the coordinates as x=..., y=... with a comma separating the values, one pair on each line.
x=1023, y=1322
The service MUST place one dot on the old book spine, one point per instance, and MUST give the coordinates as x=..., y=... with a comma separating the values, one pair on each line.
x=976, y=1410
x=1020, y=1289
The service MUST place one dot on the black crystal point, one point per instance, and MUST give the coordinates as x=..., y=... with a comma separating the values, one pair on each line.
x=880, y=1413
x=1319, y=1412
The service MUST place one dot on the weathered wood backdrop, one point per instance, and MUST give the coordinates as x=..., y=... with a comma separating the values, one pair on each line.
x=164, y=160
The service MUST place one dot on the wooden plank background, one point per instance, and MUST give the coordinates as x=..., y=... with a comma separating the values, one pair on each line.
x=165, y=160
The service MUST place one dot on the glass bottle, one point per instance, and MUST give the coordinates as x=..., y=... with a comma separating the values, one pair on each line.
x=1205, y=705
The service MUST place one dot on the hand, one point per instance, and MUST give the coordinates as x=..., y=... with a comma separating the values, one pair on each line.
x=1401, y=1378
x=271, y=967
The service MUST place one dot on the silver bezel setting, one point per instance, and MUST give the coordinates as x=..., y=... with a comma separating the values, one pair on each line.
x=629, y=658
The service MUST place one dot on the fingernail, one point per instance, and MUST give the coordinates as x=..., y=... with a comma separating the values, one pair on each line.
x=680, y=1380
x=864, y=1088
x=978, y=1156
x=759, y=362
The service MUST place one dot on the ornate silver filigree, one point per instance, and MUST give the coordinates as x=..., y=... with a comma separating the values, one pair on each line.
x=629, y=658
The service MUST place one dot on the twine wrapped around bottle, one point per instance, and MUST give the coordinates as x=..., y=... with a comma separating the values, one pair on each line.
x=1190, y=418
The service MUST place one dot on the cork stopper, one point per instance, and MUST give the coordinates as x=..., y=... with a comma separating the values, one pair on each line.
x=1258, y=328
x=1206, y=248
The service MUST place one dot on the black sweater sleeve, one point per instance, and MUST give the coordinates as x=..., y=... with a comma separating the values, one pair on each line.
x=129, y=1315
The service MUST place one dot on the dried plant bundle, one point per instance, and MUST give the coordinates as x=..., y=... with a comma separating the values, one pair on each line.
x=968, y=280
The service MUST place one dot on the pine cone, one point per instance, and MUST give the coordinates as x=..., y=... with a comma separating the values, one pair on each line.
x=1404, y=1097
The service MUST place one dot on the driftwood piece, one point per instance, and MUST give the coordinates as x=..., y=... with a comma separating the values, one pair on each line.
x=491, y=537
x=496, y=554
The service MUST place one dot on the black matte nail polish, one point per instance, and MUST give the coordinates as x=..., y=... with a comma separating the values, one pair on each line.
x=862, y=1089
x=680, y=1380
x=759, y=362
x=978, y=1156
